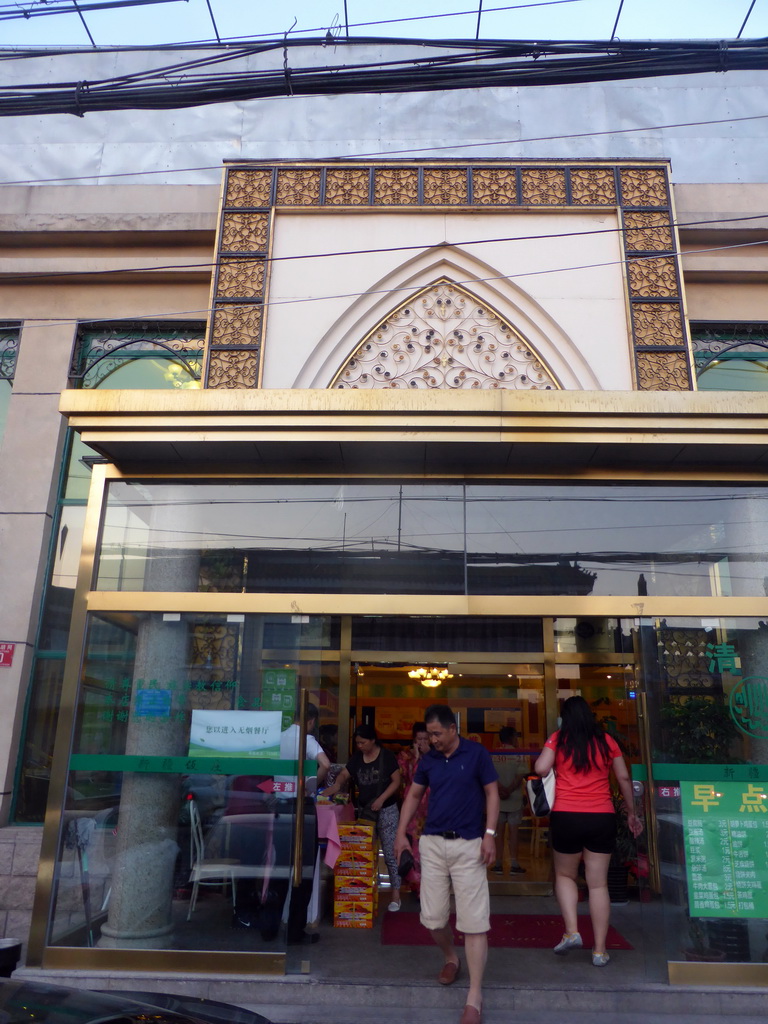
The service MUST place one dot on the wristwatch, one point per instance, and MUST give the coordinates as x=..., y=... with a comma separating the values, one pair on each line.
x=491, y=832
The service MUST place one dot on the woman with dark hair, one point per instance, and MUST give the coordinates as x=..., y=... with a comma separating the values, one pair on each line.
x=374, y=771
x=408, y=761
x=583, y=820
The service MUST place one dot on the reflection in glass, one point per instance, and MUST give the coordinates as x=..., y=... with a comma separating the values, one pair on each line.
x=707, y=682
x=77, y=478
x=590, y=635
x=388, y=538
x=42, y=720
x=446, y=633
x=146, y=816
x=57, y=611
x=735, y=372
x=5, y=400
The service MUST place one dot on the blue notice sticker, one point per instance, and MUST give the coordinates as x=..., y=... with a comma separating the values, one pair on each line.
x=153, y=704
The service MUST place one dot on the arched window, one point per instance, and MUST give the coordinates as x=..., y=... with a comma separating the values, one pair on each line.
x=731, y=356
x=154, y=355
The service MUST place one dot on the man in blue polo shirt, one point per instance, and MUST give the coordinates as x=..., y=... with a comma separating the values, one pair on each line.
x=456, y=846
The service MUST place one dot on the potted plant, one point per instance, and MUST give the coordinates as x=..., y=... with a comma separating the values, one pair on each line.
x=697, y=729
x=700, y=950
x=623, y=857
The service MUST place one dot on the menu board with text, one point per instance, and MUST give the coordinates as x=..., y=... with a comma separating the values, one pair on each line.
x=725, y=826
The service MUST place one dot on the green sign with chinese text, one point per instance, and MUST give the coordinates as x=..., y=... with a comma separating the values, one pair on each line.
x=278, y=692
x=725, y=827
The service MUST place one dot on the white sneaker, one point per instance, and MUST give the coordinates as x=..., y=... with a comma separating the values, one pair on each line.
x=600, y=959
x=570, y=940
x=394, y=906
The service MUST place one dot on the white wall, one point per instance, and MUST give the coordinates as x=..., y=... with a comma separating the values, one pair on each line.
x=321, y=307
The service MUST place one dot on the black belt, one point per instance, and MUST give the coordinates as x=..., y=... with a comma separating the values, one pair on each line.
x=447, y=835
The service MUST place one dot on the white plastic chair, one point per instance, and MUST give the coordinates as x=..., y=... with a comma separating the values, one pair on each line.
x=206, y=870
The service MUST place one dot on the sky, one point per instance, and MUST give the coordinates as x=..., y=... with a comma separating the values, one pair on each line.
x=187, y=21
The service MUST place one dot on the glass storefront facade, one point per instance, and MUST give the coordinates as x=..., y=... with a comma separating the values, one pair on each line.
x=202, y=598
x=348, y=537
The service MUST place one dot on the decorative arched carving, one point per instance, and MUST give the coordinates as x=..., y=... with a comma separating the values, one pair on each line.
x=445, y=337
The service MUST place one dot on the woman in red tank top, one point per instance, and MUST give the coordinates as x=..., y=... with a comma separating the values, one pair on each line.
x=583, y=820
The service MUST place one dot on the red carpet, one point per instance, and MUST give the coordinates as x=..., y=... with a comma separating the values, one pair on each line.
x=508, y=931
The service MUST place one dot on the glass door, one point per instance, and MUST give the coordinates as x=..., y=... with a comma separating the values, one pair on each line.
x=183, y=826
x=705, y=682
x=497, y=703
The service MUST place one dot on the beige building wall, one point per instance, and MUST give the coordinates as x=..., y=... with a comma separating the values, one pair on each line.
x=724, y=236
x=70, y=254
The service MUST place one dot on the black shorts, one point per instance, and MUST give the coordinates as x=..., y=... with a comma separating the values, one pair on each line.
x=575, y=831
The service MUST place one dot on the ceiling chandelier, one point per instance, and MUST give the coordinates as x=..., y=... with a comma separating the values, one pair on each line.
x=430, y=676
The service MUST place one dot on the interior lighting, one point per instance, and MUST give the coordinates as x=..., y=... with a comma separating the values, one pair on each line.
x=430, y=677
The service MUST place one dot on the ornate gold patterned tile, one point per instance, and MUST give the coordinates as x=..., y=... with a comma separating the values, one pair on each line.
x=249, y=187
x=644, y=186
x=652, y=277
x=657, y=323
x=240, y=279
x=593, y=186
x=347, y=186
x=396, y=186
x=494, y=186
x=233, y=369
x=544, y=186
x=647, y=231
x=299, y=187
x=445, y=186
x=244, y=232
x=236, y=325
x=662, y=371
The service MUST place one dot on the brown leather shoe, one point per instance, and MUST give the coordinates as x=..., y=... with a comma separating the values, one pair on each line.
x=471, y=1015
x=449, y=973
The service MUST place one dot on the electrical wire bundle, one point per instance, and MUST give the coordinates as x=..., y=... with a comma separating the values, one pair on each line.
x=459, y=64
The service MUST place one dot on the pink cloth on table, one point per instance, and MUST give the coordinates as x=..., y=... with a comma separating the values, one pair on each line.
x=328, y=818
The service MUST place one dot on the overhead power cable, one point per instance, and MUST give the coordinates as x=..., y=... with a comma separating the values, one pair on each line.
x=14, y=12
x=467, y=65
x=65, y=6
x=389, y=291
x=746, y=19
x=22, y=275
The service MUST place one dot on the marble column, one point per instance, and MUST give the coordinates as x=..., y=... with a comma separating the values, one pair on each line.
x=139, y=915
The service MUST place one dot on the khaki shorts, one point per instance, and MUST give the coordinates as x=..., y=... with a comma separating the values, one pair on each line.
x=458, y=862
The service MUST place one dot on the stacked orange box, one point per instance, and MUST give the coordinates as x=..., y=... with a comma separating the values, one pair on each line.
x=355, y=889
x=357, y=833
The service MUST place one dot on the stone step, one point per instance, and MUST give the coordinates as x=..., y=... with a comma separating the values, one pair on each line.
x=298, y=999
